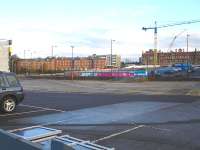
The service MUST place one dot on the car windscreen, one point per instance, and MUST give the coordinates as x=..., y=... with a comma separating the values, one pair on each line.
x=12, y=80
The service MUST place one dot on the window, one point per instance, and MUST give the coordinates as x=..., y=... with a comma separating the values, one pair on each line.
x=12, y=80
x=2, y=83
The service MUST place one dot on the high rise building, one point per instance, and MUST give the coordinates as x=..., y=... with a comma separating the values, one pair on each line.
x=116, y=61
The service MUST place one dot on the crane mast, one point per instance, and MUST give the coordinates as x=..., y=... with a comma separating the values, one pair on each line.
x=155, y=44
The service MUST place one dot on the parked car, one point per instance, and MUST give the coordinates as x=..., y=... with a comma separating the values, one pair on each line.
x=169, y=72
x=11, y=92
x=184, y=67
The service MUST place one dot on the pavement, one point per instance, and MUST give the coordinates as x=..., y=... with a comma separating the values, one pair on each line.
x=116, y=88
x=108, y=114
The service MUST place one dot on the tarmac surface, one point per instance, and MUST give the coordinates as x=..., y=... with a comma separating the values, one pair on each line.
x=114, y=87
x=122, y=121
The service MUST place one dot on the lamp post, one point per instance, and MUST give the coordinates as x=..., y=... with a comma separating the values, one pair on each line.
x=111, y=55
x=72, y=67
x=24, y=54
x=188, y=54
x=52, y=50
x=27, y=63
x=52, y=54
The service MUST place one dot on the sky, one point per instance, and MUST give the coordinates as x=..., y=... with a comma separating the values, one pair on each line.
x=89, y=25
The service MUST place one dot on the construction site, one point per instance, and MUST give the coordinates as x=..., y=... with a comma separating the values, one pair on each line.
x=94, y=75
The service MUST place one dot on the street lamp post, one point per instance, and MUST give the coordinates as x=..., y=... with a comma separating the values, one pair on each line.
x=31, y=55
x=52, y=50
x=27, y=64
x=111, y=54
x=188, y=54
x=52, y=54
x=72, y=67
x=24, y=54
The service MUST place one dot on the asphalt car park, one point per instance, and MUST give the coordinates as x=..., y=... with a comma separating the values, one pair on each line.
x=23, y=111
x=120, y=121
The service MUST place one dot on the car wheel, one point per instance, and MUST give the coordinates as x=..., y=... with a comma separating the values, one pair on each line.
x=8, y=105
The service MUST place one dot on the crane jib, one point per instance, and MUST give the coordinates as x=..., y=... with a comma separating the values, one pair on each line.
x=171, y=25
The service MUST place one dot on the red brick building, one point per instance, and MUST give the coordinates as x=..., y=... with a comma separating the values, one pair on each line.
x=173, y=57
x=59, y=64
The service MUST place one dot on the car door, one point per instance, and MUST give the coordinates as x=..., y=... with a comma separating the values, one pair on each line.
x=13, y=83
x=2, y=85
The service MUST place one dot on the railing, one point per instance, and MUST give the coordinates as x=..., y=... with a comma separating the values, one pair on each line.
x=42, y=138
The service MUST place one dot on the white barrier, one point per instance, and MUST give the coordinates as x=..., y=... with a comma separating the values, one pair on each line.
x=42, y=138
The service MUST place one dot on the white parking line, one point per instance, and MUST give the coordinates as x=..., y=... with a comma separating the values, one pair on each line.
x=41, y=109
x=155, y=128
x=117, y=134
x=129, y=130
x=161, y=129
x=44, y=108
x=28, y=112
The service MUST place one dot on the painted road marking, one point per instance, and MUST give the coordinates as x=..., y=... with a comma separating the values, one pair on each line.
x=156, y=128
x=118, y=133
x=44, y=108
x=28, y=112
x=127, y=131
x=41, y=109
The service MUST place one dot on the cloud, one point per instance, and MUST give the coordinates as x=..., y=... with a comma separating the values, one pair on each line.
x=91, y=34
